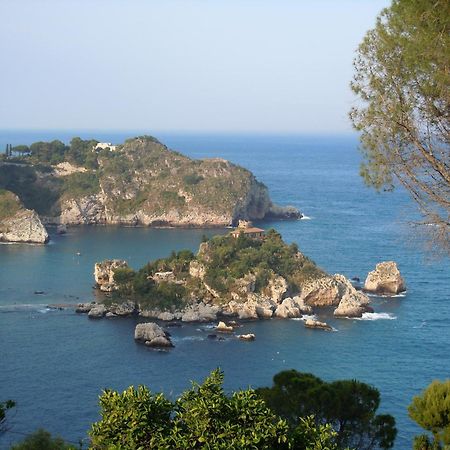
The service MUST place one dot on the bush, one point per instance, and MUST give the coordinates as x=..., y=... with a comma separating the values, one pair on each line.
x=42, y=440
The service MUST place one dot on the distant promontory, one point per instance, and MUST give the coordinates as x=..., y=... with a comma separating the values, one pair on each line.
x=140, y=182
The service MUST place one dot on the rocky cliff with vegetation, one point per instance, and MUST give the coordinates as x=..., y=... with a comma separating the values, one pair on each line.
x=232, y=277
x=18, y=224
x=141, y=182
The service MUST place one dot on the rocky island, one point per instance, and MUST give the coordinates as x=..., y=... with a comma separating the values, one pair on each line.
x=247, y=274
x=140, y=182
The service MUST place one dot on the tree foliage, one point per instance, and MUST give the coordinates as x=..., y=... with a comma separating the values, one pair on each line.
x=202, y=417
x=431, y=410
x=4, y=406
x=402, y=79
x=348, y=406
x=42, y=440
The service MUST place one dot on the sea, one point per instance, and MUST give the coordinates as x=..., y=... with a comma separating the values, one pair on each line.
x=55, y=363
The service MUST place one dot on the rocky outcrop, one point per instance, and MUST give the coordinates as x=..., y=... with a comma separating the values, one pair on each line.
x=385, y=279
x=200, y=312
x=97, y=311
x=104, y=273
x=288, y=309
x=276, y=288
x=353, y=304
x=89, y=210
x=122, y=309
x=152, y=335
x=315, y=324
x=336, y=291
x=224, y=328
x=18, y=224
x=255, y=307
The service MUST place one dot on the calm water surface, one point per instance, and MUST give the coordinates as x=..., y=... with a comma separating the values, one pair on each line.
x=55, y=363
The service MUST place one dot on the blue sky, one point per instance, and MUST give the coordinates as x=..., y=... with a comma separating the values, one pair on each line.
x=180, y=65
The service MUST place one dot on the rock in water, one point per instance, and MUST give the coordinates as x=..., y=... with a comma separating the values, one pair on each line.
x=104, y=273
x=247, y=337
x=152, y=335
x=18, y=224
x=97, y=311
x=224, y=328
x=310, y=323
x=385, y=279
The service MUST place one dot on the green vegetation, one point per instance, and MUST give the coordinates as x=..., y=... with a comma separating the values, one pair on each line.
x=227, y=259
x=8, y=204
x=42, y=440
x=348, y=406
x=202, y=417
x=402, y=77
x=161, y=294
x=431, y=410
x=35, y=192
x=80, y=184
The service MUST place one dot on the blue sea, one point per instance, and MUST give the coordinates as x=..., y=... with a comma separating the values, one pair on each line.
x=55, y=363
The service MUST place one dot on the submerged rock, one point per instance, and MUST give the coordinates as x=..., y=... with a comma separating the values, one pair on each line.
x=152, y=335
x=385, y=279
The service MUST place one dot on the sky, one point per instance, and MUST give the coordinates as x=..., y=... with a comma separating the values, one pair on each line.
x=275, y=66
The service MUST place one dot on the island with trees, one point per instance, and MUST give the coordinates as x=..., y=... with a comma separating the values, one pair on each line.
x=140, y=182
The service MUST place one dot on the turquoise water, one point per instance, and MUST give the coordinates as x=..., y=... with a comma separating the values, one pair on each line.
x=55, y=363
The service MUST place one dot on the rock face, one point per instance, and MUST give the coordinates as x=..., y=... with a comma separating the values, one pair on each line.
x=385, y=279
x=200, y=312
x=88, y=210
x=22, y=225
x=104, y=273
x=152, y=335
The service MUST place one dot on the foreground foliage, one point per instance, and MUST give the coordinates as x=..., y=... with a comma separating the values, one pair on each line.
x=402, y=79
x=431, y=410
x=42, y=440
x=348, y=406
x=203, y=417
x=4, y=406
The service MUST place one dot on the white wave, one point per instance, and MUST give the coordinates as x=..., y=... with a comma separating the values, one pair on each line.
x=44, y=310
x=371, y=294
x=304, y=217
x=376, y=316
x=305, y=317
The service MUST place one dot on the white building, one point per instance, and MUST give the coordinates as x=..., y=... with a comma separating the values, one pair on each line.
x=103, y=145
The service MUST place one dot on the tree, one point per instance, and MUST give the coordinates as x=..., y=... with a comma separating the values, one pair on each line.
x=431, y=410
x=4, y=406
x=348, y=406
x=203, y=417
x=402, y=79
x=42, y=440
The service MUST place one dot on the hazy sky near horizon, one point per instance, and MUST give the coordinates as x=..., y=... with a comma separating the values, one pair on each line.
x=180, y=65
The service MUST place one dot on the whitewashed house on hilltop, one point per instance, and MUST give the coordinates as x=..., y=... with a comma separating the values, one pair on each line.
x=104, y=145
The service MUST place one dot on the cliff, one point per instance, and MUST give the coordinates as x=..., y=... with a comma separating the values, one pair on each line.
x=18, y=224
x=141, y=182
x=239, y=277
